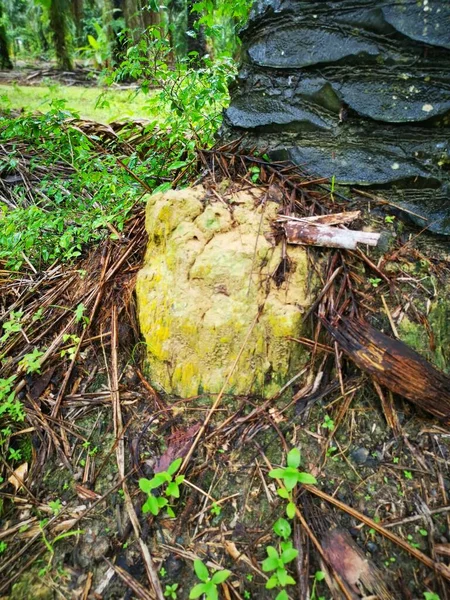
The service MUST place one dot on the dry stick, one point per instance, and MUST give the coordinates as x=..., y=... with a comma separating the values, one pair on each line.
x=426, y=560
x=131, y=582
x=120, y=453
x=413, y=518
x=221, y=393
x=63, y=387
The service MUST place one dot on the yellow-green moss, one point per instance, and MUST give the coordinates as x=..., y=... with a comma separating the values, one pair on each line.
x=204, y=279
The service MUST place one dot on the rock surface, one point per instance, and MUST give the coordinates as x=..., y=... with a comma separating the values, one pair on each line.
x=355, y=89
x=208, y=269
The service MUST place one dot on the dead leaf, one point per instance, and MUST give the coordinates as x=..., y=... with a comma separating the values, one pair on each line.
x=17, y=479
x=177, y=447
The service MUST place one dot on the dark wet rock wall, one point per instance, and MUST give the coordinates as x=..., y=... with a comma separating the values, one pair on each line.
x=355, y=89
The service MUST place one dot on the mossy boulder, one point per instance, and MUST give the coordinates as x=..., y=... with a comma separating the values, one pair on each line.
x=209, y=270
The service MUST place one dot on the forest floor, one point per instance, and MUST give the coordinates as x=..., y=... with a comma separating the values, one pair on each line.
x=378, y=519
x=35, y=87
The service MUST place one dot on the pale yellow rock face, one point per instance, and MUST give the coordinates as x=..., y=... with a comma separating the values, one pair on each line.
x=207, y=272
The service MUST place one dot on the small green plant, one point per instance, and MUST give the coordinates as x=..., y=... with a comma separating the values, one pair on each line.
x=171, y=591
x=79, y=314
x=56, y=506
x=277, y=561
x=389, y=219
x=319, y=576
x=162, y=572
x=411, y=542
x=3, y=547
x=155, y=503
x=408, y=474
x=71, y=350
x=9, y=405
x=208, y=585
x=13, y=325
x=255, y=172
x=374, y=281
x=291, y=476
x=216, y=509
x=30, y=363
x=15, y=454
x=328, y=423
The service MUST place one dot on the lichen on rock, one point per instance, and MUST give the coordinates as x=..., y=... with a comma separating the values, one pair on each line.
x=208, y=272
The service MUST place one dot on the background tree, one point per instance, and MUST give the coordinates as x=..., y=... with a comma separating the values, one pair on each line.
x=195, y=32
x=59, y=17
x=5, y=61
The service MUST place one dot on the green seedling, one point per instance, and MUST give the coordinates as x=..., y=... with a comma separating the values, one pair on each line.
x=319, y=576
x=171, y=591
x=277, y=561
x=30, y=363
x=55, y=505
x=291, y=476
x=154, y=504
x=374, y=281
x=328, y=423
x=208, y=585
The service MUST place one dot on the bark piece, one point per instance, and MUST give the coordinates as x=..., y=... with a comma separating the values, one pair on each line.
x=395, y=365
x=310, y=234
x=353, y=566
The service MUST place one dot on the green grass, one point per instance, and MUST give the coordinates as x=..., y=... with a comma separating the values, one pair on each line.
x=94, y=103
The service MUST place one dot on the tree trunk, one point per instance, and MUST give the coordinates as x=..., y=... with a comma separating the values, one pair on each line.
x=196, y=41
x=78, y=13
x=119, y=44
x=150, y=18
x=58, y=24
x=5, y=61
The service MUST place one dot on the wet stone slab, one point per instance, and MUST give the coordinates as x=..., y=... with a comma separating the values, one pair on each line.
x=357, y=90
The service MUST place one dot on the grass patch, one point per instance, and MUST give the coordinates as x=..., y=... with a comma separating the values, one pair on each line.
x=94, y=103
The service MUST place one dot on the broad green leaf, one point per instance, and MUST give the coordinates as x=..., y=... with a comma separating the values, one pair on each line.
x=144, y=485
x=174, y=466
x=197, y=591
x=283, y=595
x=306, y=478
x=211, y=591
x=288, y=555
x=272, y=552
x=282, y=528
x=164, y=187
x=200, y=570
x=173, y=490
x=220, y=576
x=151, y=505
x=293, y=458
x=319, y=576
x=270, y=564
x=283, y=493
x=290, y=481
x=276, y=473
x=282, y=575
x=290, y=510
x=272, y=582
x=177, y=165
